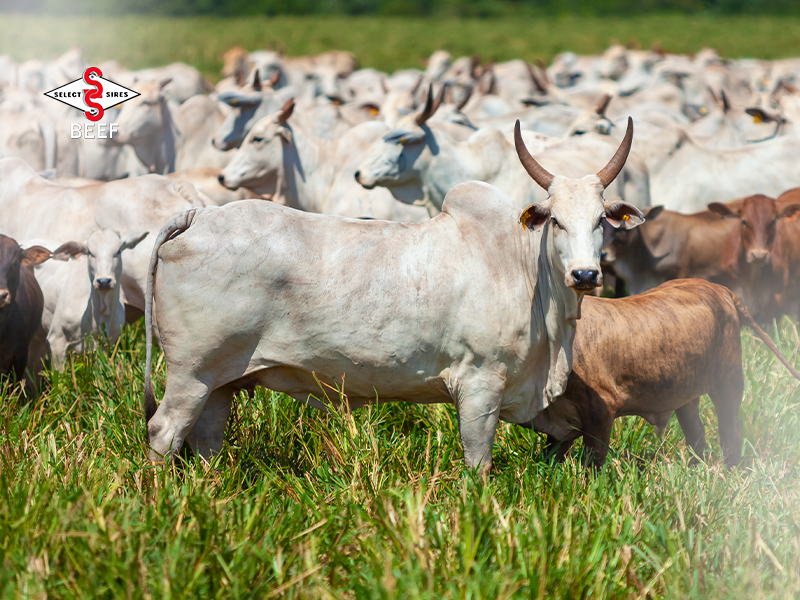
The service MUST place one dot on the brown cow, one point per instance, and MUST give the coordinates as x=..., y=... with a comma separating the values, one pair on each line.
x=651, y=355
x=21, y=303
x=669, y=245
x=785, y=259
x=748, y=250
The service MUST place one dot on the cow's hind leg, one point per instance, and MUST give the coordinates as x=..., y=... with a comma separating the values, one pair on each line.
x=556, y=448
x=208, y=432
x=183, y=402
x=693, y=429
x=727, y=398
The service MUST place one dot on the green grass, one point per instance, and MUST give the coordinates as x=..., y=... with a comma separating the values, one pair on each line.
x=386, y=43
x=376, y=504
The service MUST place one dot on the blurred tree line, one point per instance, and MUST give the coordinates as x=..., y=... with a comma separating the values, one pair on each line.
x=452, y=8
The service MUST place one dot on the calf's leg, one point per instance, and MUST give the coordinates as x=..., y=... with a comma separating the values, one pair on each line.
x=557, y=448
x=692, y=426
x=727, y=399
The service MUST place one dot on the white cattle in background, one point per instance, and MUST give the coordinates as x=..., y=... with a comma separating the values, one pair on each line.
x=32, y=207
x=311, y=173
x=167, y=137
x=82, y=293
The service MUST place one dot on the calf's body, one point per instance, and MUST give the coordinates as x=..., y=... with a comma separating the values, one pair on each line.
x=651, y=355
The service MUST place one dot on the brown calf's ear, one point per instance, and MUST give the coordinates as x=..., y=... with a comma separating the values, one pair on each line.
x=623, y=215
x=724, y=211
x=35, y=255
x=69, y=251
x=653, y=212
x=789, y=212
x=133, y=241
x=534, y=216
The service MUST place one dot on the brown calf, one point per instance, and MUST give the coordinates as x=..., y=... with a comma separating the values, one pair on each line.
x=748, y=250
x=651, y=355
x=21, y=303
x=785, y=261
x=669, y=245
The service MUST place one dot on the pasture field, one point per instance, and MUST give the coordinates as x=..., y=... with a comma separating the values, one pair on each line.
x=385, y=43
x=302, y=504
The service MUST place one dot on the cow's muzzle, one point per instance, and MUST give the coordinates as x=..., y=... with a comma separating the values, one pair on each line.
x=5, y=298
x=585, y=280
x=103, y=284
x=758, y=257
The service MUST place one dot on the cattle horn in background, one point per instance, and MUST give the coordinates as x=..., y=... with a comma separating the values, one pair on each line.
x=287, y=111
x=603, y=105
x=538, y=173
x=430, y=105
x=275, y=78
x=609, y=173
x=257, y=80
x=465, y=98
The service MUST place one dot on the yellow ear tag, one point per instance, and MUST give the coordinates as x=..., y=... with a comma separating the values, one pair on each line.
x=757, y=120
x=234, y=102
x=402, y=141
x=373, y=111
x=625, y=218
x=703, y=110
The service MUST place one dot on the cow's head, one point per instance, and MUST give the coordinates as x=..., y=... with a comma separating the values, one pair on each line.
x=593, y=120
x=395, y=159
x=574, y=212
x=261, y=156
x=103, y=249
x=143, y=116
x=12, y=260
x=753, y=240
x=249, y=104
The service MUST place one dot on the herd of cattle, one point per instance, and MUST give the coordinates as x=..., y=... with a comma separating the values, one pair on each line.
x=425, y=236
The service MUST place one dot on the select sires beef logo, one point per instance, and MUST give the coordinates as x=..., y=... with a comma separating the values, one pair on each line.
x=93, y=101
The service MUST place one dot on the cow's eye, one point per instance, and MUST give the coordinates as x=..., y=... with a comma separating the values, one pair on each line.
x=258, y=140
x=745, y=223
x=89, y=253
x=555, y=222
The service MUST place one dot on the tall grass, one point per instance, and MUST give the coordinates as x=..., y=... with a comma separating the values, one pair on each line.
x=376, y=504
x=387, y=43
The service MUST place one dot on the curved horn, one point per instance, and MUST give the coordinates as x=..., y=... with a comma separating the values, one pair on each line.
x=614, y=166
x=534, y=169
x=536, y=81
x=286, y=111
x=428, y=110
x=257, y=80
x=276, y=77
x=726, y=105
x=467, y=95
x=603, y=105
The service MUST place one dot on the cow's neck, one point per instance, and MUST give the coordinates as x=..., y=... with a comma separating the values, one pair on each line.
x=158, y=151
x=559, y=307
x=307, y=170
x=104, y=308
x=449, y=162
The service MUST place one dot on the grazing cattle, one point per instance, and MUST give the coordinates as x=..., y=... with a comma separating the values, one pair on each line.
x=668, y=246
x=20, y=303
x=313, y=174
x=686, y=177
x=650, y=355
x=425, y=157
x=81, y=296
x=167, y=137
x=31, y=207
x=469, y=307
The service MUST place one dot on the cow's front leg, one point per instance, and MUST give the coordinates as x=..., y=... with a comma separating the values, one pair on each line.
x=208, y=432
x=478, y=415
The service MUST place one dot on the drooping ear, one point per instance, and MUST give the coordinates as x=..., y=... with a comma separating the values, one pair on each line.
x=164, y=82
x=35, y=255
x=534, y=216
x=69, y=251
x=132, y=241
x=724, y=211
x=624, y=215
x=759, y=116
x=788, y=212
x=731, y=251
x=653, y=212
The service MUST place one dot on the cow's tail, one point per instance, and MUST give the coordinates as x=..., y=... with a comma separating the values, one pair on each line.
x=175, y=226
x=745, y=316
